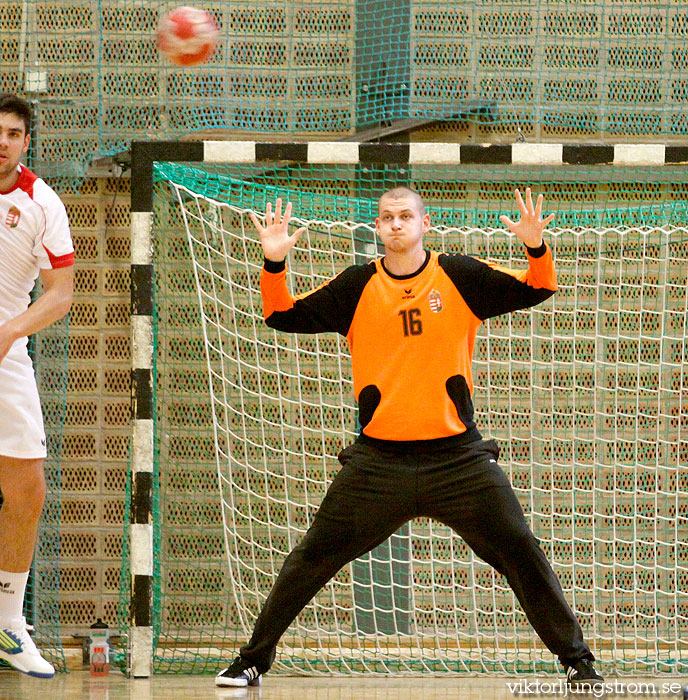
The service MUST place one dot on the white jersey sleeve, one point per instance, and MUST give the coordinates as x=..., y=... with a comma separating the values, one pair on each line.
x=54, y=247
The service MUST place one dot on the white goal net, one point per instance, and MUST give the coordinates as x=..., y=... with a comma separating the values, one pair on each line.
x=586, y=394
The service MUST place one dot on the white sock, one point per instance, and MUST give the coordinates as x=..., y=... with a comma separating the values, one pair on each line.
x=12, y=590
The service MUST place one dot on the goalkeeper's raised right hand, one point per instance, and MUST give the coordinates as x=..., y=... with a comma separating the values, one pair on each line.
x=274, y=235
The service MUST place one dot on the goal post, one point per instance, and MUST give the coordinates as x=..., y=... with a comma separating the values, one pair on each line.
x=236, y=429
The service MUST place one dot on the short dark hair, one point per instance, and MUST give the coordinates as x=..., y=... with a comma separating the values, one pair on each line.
x=403, y=191
x=13, y=104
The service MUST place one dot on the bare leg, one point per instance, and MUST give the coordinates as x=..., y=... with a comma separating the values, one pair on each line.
x=22, y=483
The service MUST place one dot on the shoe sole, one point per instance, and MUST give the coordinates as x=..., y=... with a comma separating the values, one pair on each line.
x=36, y=674
x=231, y=683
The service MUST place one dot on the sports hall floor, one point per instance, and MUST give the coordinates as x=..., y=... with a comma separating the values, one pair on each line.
x=79, y=685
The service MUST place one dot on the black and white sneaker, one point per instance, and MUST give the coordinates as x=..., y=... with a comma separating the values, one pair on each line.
x=240, y=674
x=583, y=675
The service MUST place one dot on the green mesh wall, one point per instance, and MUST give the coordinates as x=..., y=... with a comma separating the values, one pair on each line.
x=586, y=395
x=540, y=69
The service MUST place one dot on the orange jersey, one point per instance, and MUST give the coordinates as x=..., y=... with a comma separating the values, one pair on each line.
x=411, y=337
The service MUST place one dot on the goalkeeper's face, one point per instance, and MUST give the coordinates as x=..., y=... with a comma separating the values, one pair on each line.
x=401, y=221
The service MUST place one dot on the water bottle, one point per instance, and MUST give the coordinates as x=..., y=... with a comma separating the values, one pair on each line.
x=99, y=652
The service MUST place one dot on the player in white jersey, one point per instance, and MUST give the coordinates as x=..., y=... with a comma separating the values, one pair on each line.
x=34, y=240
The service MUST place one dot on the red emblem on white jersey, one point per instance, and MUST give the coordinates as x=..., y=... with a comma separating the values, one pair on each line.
x=435, y=299
x=12, y=218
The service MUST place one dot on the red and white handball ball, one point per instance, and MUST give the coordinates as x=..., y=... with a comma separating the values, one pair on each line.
x=187, y=36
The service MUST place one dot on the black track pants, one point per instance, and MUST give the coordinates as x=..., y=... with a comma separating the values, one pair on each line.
x=378, y=490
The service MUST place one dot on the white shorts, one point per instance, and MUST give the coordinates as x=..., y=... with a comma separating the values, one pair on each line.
x=21, y=420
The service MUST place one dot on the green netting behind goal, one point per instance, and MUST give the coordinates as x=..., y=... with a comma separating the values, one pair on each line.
x=544, y=70
x=587, y=395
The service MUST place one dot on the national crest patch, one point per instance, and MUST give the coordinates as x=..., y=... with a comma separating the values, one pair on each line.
x=435, y=299
x=12, y=218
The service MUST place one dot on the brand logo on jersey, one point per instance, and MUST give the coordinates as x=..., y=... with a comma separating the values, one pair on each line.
x=12, y=218
x=408, y=294
x=4, y=588
x=435, y=299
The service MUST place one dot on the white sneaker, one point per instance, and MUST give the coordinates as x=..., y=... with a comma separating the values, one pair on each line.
x=19, y=651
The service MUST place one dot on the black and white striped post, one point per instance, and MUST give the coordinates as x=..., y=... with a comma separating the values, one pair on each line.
x=142, y=555
x=144, y=154
x=436, y=153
